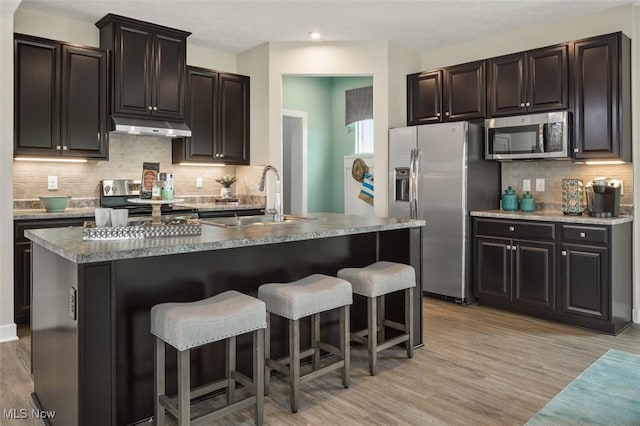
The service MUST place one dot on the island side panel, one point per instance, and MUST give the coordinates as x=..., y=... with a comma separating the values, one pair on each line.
x=95, y=322
x=54, y=336
x=144, y=282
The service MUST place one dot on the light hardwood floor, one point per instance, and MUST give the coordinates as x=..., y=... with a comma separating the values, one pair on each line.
x=479, y=366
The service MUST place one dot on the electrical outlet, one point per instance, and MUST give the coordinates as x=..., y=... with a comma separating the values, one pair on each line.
x=540, y=185
x=198, y=182
x=52, y=183
x=526, y=184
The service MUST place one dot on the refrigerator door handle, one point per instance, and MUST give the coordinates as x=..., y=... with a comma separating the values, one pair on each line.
x=416, y=181
x=412, y=171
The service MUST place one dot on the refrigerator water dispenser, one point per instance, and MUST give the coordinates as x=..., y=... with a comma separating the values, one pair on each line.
x=402, y=184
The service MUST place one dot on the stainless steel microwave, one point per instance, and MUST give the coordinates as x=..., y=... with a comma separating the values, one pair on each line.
x=528, y=137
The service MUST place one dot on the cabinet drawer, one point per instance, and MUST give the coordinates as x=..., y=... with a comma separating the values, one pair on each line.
x=585, y=234
x=516, y=229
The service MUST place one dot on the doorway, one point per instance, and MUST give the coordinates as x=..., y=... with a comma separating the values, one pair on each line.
x=294, y=162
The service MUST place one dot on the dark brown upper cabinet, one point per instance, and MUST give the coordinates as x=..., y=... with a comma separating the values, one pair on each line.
x=451, y=94
x=149, y=66
x=526, y=82
x=464, y=91
x=601, y=69
x=424, y=98
x=60, y=96
x=218, y=115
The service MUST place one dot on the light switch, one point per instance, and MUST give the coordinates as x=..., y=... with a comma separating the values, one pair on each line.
x=540, y=185
x=198, y=182
x=526, y=184
x=52, y=183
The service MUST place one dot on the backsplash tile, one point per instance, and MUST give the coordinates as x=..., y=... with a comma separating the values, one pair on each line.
x=126, y=155
x=554, y=171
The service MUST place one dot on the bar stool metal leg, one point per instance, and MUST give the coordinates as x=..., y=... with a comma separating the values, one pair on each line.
x=294, y=363
x=372, y=341
x=258, y=374
x=267, y=354
x=344, y=344
x=184, y=388
x=159, y=383
x=315, y=338
x=231, y=368
x=408, y=319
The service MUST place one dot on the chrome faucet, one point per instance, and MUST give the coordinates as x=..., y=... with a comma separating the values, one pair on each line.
x=277, y=212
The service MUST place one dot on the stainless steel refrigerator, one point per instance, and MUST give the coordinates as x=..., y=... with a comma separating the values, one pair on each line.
x=437, y=172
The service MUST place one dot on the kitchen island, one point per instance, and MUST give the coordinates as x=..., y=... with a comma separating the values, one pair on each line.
x=91, y=346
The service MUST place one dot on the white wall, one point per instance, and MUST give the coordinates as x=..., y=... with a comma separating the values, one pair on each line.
x=324, y=59
x=7, y=326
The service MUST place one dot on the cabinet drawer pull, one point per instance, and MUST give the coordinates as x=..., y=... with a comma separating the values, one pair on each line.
x=564, y=252
x=583, y=235
x=511, y=228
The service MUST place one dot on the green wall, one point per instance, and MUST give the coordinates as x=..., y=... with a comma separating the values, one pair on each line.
x=328, y=139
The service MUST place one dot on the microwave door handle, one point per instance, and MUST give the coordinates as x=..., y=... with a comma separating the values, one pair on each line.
x=416, y=195
x=542, y=136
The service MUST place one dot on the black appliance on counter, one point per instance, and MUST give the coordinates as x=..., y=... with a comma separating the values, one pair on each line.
x=114, y=193
x=603, y=197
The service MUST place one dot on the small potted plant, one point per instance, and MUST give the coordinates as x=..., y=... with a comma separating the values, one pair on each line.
x=226, y=182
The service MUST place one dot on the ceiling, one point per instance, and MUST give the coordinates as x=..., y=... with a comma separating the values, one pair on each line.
x=238, y=25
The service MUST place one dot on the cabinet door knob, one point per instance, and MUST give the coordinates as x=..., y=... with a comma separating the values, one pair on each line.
x=150, y=108
x=583, y=235
x=511, y=228
x=564, y=252
x=514, y=248
x=155, y=108
x=528, y=103
x=508, y=247
x=446, y=113
x=58, y=147
x=576, y=150
x=521, y=104
x=65, y=148
x=437, y=114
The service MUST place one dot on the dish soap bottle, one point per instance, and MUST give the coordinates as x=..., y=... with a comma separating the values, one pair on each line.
x=527, y=204
x=509, y=200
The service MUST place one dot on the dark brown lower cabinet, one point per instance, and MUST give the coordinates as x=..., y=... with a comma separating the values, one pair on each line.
x=581, y=277
x=22, y=262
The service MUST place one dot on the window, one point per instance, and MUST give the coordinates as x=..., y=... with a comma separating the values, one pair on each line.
x=364, y=136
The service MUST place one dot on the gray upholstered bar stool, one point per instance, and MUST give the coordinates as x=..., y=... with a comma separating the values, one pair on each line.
x=308, y=296
x=186, y=326
x=374, y=282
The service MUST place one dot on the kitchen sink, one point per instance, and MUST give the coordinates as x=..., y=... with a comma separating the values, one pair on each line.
x=243, y=221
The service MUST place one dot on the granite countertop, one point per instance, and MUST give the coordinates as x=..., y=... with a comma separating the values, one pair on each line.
x=551, y=216
x=25, y=214
x=205, y=207
x=68, y=243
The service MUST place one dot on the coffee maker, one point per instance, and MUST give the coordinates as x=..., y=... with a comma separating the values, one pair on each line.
x=603, y=197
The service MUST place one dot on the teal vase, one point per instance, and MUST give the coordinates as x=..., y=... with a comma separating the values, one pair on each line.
x=509, y=200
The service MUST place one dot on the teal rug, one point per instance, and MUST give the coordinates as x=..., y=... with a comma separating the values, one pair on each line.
x=606, y=393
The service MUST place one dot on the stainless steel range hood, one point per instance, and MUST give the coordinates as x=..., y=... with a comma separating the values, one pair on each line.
x=148, y=127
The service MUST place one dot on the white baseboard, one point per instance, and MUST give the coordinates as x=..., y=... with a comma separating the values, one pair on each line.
x=635, y=315
x=8, y=333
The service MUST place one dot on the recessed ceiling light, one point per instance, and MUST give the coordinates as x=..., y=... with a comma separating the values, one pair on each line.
x=315, y=35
